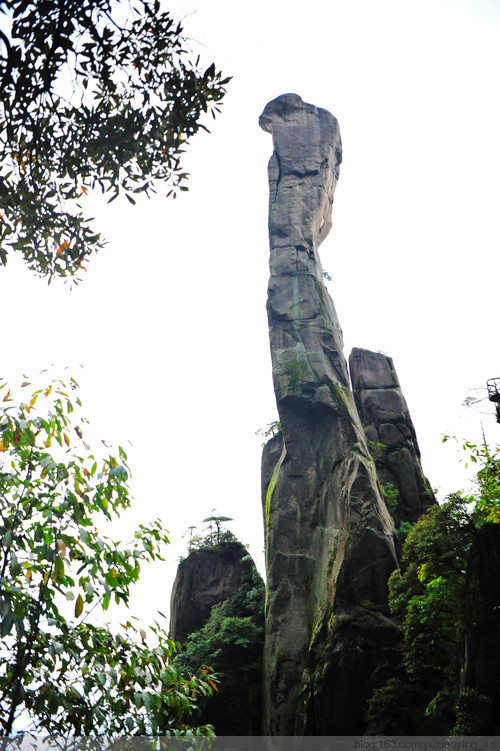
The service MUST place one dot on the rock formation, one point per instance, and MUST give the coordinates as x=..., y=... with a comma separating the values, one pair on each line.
x=329, y=537
x=206, y=577
x=230, y=638
x=391, y=436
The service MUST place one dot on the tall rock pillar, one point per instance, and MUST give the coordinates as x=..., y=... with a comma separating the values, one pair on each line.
x=329, y=537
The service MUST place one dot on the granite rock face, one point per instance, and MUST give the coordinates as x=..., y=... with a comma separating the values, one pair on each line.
x=206, y=577
x=391, y=435
x=329, y=537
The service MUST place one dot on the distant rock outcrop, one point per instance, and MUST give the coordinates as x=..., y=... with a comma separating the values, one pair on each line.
x=228, y=635
x=206, y=577
x=329, y=537
x=391, y=436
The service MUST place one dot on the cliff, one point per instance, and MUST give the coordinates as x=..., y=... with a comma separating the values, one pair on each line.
x=329, y=536
x=231, y=638
x=206, y=577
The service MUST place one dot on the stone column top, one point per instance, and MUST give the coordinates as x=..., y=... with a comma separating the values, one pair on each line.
x=305, y=137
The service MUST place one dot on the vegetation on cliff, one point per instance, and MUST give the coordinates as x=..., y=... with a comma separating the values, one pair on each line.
x=436, y=596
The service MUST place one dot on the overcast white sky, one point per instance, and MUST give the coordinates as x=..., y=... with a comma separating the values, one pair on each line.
x=170, y=322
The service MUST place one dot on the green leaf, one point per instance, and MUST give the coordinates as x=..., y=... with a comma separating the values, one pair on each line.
x=19, y=624
x=58, y=567
x=147, y=700
x=53, y=701
x=15, y=566
x=7, y=623
x=78, y=606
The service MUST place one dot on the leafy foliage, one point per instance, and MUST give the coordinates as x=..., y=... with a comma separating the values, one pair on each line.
x=391, y=497
x=430, y=596
x=58, y=669
x=472, y=710
x=395, y=710
x=271, y=429
x=232, y=642
x=94, y=93
x=487, y=491
x=215, y=535
x=488, y=481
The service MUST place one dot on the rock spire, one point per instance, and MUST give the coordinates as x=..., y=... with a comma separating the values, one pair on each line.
x=329, y=537
x=391, y=436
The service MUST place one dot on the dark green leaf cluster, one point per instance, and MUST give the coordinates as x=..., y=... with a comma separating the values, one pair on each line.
x=471, y=712
x=59, y=671
x=94, y=94
x=428, y=597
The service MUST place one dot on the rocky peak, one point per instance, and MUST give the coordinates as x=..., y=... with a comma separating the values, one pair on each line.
x=206, y=577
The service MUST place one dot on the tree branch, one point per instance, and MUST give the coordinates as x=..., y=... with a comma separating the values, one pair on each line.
x=9, y=63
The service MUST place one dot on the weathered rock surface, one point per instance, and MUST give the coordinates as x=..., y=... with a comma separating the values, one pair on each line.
x=206, y=577
x=391, y=436
x=329, y=537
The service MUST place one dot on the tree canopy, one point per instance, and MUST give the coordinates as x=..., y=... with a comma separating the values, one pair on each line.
x=62, y=670
x=93, y=94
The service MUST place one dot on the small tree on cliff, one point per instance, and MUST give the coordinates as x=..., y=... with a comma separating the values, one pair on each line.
x=217, y=536
x=60, y=672
x=93, y=94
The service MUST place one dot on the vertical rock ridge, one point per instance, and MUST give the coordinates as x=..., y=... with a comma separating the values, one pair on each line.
x=329, y=537
x=391, y=435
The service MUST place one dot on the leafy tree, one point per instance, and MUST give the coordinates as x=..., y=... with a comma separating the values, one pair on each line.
x=430, y=596
x=429, y=587
x=473, y=711
x=218, y=521
x=487, y=497
x=231, y=642
x=395, y=710
x=94, y=94
x=59, y=671
x=213, y=537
